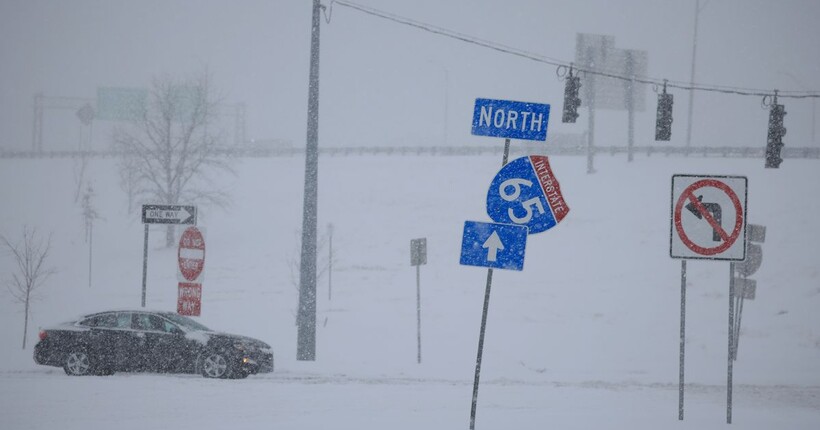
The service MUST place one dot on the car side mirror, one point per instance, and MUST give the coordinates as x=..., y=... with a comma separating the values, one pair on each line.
x=177, y=332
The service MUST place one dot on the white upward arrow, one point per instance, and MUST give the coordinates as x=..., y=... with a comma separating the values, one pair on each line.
x=493, y=244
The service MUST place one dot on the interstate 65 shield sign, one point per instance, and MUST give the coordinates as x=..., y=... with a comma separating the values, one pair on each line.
x=525, y=192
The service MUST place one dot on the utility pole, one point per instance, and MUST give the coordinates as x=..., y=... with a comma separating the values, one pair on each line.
x=692, y=79
x=306, y=336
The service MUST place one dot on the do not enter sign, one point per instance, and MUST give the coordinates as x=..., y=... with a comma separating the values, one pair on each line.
x=708, y=217
x=191, y=255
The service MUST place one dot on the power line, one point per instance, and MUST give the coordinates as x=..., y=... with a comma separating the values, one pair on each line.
x=689, y=86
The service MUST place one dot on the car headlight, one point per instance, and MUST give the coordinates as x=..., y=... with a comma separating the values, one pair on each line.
x=242, y=346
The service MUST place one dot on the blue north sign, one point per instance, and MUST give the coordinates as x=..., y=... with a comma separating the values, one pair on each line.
x=510, y=119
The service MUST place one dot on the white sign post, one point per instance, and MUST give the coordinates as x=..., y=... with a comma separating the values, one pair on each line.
x=708, y=223
x=418, y=256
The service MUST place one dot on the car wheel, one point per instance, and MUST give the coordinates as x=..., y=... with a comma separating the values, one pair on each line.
x=215, y=365
x=77, y=363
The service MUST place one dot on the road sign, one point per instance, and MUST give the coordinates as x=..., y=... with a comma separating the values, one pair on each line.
x=510, y=119
x=753, y=261
x=168, y=214
x=599, y=52
x=191, y=255
x=754, y=252
x=756, y=233
x=708, y=217
x=121, y=104
x=418, y=252
x=86, y=114
x=500, y=246
x=189, y=299
x=745, y=288
x=526, y=192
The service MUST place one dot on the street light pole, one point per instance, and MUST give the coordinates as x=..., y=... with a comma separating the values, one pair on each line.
x=692, y=79
x=306, y=335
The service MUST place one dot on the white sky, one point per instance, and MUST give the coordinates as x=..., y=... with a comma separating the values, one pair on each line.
x=384, y=83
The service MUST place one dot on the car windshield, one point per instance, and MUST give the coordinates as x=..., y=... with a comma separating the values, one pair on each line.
x=186, y=322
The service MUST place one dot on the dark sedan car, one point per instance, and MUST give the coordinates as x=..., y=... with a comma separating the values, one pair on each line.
x=141, y=341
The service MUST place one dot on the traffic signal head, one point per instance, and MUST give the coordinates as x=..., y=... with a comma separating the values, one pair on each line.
x=571, y=99
x=774, y=143
x=663, y=122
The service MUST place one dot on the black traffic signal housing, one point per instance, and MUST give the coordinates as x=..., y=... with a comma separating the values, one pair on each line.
x=663, y=121
x=776, y=132
x=571, y=99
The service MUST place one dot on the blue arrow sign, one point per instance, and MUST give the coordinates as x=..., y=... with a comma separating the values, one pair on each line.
x=525, y=192
x=510, y=119
x=500, y=246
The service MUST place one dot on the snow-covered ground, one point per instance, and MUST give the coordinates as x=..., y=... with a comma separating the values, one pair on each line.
x=586, y=336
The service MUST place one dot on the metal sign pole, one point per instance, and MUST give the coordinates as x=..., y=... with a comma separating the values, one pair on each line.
x=591, y=119
x=682, y=335
x=630, y=105
x=731, y=343
x=739, y=315
x=506, y=152
x=418, y=310
x=481, y=346
x=144, y=264
x=90, y=249
x=484, y=316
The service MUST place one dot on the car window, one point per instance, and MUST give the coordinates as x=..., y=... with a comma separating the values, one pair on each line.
x=148, y=322
x=124, y=320
x=168, y=327
x=103, y=320
x=185, y=322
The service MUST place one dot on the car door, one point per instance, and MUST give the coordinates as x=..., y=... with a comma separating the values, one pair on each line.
x=162, y=343
x=112, y=340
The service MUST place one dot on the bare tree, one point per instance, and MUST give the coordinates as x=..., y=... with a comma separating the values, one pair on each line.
x=30, y=256
x=326, y=256
x=170, y=150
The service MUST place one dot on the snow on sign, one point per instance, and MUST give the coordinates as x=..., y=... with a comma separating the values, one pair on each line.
x=526, y=192
x=501, y=246
x=510, y=119
x=168, y=214
x=189, y=299
x=708, y=217
x=191, y=255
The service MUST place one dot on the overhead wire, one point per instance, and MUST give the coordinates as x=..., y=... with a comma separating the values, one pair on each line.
x=689, y=86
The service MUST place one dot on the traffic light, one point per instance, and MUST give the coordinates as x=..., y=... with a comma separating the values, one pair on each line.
x=776, y=133
x=571, y=99
x=663, y=122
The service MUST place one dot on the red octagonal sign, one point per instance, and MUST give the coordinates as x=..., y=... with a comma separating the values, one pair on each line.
x=191, y=254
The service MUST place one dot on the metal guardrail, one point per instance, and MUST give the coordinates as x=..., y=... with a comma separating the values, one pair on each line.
x=718, y=151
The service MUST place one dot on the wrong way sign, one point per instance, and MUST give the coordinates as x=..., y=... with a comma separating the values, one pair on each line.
x=708, y=217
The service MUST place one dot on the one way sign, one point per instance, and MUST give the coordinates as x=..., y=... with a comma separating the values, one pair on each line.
x=168, y=214
x=500, y=246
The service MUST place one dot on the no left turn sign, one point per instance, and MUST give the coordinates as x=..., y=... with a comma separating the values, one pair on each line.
x=708, y=217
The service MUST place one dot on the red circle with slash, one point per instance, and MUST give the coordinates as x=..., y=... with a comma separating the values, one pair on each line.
x=728, y=239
